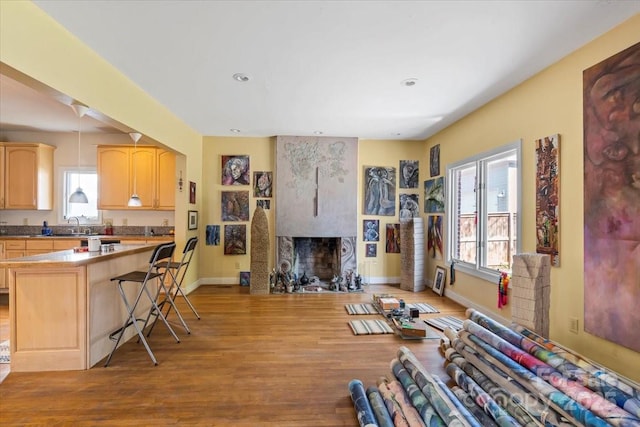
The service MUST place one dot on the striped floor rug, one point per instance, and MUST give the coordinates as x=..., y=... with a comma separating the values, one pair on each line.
x=423, y=308
x=361, y=309
x=4, y=352
x=443, y=322
x=369, y=327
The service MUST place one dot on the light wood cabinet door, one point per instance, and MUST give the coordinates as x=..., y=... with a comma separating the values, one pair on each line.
x=2, y=180
x=143, y=168
x=147, y=171
x=113, y=177
x=166, y=187
x=4, y=283
x=28, y=173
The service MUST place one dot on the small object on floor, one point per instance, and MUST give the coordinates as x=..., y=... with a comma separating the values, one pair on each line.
x=370, y=327
x=4, y=352
x=445, y=321
x=365, y=308
x=423, y=308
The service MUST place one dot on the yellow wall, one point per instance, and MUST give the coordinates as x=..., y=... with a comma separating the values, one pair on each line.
x=215, y=266
x=548, y=103
x=34, y=44
x=385, y=268
x=219, y=268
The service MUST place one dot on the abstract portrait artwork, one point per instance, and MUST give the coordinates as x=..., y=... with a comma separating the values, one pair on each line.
x=235, y=239
x=263, y=203
x=371, y=230
x=409, y=206
x=409, y=173
x=371, y=250
x=434, y=195
x=245, y=278
x=235, y=170
x=434, y=160
x=548, y=197
x=611, y=90
x=393, y=239
x=235, y=205
x=434, y=236
x=262, y=182
x=212, y=235
x=379, y=191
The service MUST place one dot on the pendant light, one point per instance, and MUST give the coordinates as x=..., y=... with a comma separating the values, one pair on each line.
x=134, y=201
x=78, y=196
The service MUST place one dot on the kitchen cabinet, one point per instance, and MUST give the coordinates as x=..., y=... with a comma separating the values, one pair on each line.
x=150, y=170
x=26, y=171
x=3, y=270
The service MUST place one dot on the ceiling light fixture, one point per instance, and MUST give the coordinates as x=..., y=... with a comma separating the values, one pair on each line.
x=134, y=201
x=317, y=132
x=409, y=82
x=79, y=196
x=234, y=130
x=241, y=77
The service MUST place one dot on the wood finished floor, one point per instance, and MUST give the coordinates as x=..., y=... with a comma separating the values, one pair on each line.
x=272, y=360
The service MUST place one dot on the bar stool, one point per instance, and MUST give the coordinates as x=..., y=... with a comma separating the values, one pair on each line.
x=177, y=271
x=162, y=253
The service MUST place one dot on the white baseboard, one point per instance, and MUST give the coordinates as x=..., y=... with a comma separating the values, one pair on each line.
x=470, y=304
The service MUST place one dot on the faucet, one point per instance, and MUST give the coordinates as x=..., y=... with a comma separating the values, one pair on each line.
x=77, y=223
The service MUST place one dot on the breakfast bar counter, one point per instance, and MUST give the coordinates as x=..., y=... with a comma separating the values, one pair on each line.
x=63, y=306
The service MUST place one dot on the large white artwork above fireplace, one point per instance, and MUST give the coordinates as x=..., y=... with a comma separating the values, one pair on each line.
x=316, y=205
x=316, y=181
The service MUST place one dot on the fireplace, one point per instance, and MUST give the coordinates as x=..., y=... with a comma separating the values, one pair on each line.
x=323, y=257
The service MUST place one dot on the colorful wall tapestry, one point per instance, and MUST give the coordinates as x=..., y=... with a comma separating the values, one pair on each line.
x=235, y=170
x=434, y=236
x=548, y=197
x=235, y=205
x=393, y=238
x=611, y=93
x=235, y=239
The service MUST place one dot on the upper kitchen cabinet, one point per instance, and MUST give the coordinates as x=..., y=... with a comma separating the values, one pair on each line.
x=147, y=171
x=26, y=171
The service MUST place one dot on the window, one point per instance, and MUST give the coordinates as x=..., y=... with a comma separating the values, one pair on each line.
x=87, y=179
x=483, y=201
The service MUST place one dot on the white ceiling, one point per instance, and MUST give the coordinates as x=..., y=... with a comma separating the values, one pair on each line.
x=334, y=67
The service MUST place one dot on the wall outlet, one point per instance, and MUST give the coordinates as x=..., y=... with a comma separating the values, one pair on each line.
x=573, y=325
x=237, y=266
x=165, y=222
x=25, y=221
x=125, y=221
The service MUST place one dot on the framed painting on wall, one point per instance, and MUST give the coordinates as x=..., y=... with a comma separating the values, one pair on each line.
x=235, y=170
x=192, y=220
x=548, y=197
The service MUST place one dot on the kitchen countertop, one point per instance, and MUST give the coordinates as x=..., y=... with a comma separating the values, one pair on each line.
x=70, y=258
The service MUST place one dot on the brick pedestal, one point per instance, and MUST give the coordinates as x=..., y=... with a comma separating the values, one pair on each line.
x=531, y=292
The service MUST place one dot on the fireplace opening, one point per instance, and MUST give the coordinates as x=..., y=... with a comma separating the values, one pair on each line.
x=316, y=256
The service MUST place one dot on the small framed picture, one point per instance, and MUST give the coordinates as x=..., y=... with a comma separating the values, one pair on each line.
x=372, y=250
x=192, y=220
x=245, y=278
x=439, y=280
x=192, y=192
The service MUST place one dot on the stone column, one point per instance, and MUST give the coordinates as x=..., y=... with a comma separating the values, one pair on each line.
x=412, y=254
x=531, y=292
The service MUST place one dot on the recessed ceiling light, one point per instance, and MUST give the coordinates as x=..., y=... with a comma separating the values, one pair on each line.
x=234, y=130
x=241, y=77
x=409, y=82
x=317, y=132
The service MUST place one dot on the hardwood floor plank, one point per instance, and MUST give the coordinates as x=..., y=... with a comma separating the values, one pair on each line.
x=253, y=360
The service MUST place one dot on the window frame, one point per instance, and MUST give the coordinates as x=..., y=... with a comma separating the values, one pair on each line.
x=64, y=194
x=480, y=161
